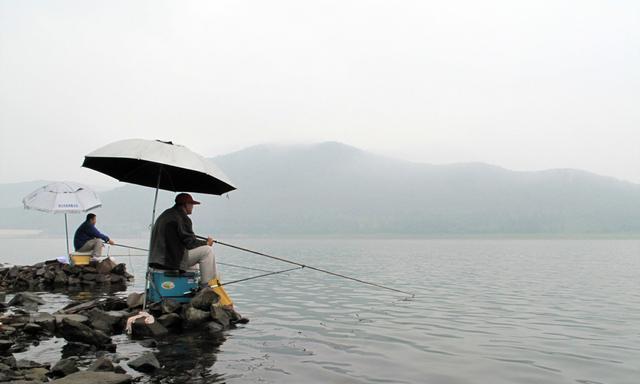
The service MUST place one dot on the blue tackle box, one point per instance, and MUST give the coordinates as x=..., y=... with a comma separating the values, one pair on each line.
x=175, y=285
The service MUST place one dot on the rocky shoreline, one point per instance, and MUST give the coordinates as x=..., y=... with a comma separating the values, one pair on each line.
x=89, y=327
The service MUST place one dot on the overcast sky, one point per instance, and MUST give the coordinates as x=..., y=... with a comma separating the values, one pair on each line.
x=524, y=85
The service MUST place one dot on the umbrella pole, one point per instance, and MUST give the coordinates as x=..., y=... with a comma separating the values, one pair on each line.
x=153, y=217
x=66, y=232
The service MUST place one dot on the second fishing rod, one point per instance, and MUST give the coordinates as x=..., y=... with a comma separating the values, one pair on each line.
x=306, y=266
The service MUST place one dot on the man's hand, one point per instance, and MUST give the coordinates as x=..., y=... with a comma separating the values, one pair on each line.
x=210, y=241
x=111, y=242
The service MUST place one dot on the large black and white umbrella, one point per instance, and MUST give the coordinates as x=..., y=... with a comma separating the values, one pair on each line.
x=158, y=164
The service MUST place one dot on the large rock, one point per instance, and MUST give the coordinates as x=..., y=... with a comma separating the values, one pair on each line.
x=25, y=298
x=60, y=278
x=101, y=364
x=64, y=367
x=135, y=300
x=107, y=322
x=170, y=320
x=105, y=266
x=88, y=277
x=170, y=306
x=85, y=377
x=5, y=345
x=118, y=279
x=37, y=374
x=140, y=329
x=28, y=364
x=221, y=316
x=194, y=317
x=76, y=331
x=204, y=299
x=32, y=329
x=103, y=279
x=59, y=317
x=145, y=363
x=120, y=269
x=45, y=320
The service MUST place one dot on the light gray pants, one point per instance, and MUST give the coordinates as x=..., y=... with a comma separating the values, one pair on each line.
x=203, y=256
x=93, y=245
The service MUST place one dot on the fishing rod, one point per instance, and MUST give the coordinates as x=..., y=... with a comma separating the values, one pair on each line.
x=306, y=266
x=227, y=264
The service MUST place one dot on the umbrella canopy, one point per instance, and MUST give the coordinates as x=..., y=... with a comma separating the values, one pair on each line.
x=158, y=164
x=62, y=197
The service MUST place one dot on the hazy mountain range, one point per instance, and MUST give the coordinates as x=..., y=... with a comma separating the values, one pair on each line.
x=334, y=189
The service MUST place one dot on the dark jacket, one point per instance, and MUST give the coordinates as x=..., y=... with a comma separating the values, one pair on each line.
x=171, y=236
x=85, y=232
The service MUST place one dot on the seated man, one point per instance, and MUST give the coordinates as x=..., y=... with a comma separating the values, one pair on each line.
x=174, y=245
x=88, y=238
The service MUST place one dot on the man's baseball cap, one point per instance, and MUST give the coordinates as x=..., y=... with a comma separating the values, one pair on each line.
x=185, y=198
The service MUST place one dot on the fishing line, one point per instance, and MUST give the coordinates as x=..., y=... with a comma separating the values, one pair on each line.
x=307, y=266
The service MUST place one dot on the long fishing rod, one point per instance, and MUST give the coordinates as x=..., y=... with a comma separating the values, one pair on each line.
x=306, y=266
x=227, y=264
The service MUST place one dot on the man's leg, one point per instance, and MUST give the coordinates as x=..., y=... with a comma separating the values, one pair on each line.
x=93, y=245
x=203, y=256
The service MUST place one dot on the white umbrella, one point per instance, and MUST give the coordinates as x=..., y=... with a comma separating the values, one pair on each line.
x=62, y=197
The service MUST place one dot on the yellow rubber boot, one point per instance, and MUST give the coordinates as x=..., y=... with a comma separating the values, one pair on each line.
x=225, y=300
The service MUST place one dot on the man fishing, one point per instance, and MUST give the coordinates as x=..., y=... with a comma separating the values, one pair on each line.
x=174, y=244
x=88, y=238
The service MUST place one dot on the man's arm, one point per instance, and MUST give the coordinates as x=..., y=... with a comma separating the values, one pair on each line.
x=95, y=233
x=186, y=235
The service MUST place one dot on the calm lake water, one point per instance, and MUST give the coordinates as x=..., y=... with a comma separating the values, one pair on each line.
x=484, y=311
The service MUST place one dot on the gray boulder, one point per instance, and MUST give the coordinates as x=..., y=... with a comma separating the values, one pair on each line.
x=38, y=374
x=32, y=329
x=60, y=317
x=76, y=331
x=147, y=362
x=204, y=299
x=25, y=298
x=101, y=364
x=194, y=317
x=5, y=345
x=221, y=316
x=45, y=320
x=60, y=278
x=170, y=306
x=64, y=367
x=170, y=320
x=105, y=266
x=108, y=322
x=140, y=329
x=135, y=300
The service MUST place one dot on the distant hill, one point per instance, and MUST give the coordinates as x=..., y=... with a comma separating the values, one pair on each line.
x=334, y=189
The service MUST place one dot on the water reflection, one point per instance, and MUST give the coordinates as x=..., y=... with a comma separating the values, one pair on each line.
x=189, y=357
